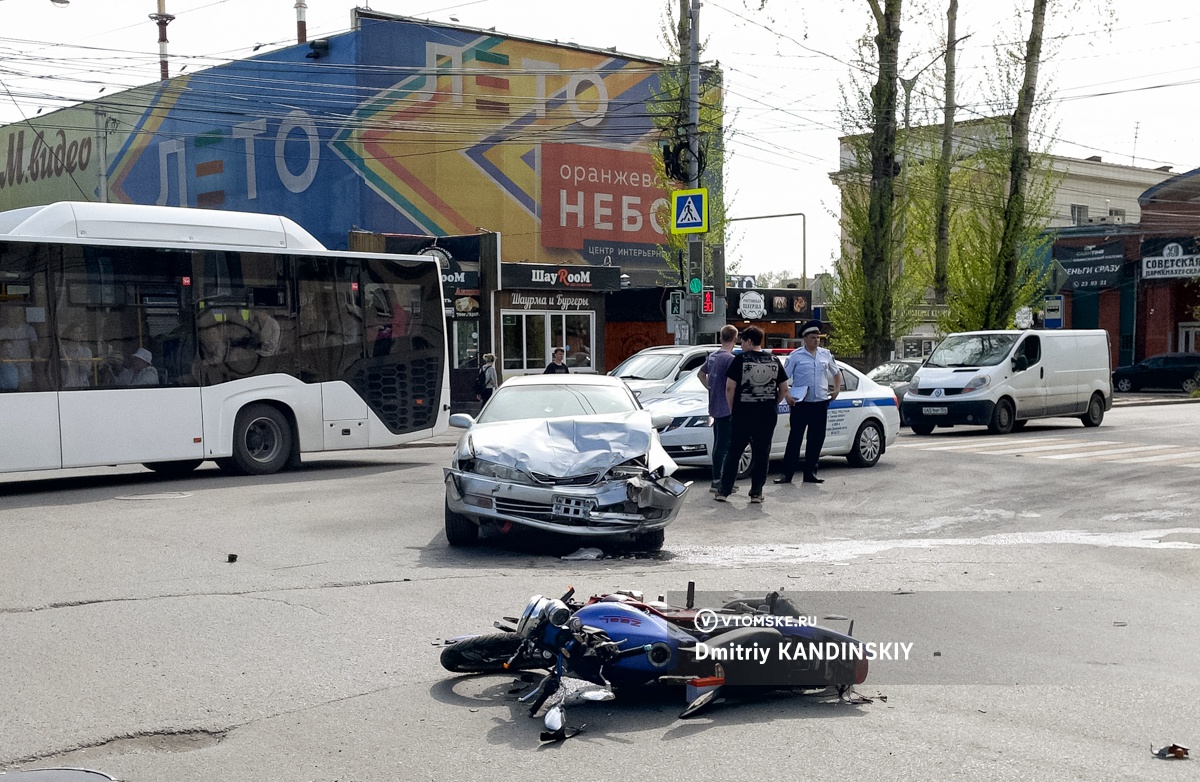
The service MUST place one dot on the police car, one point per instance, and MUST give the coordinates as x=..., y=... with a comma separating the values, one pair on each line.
x=863, y=421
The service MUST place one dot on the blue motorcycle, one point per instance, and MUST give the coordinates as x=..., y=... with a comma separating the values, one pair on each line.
x=620, y=640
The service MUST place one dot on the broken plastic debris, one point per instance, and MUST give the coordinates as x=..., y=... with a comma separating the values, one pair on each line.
x=584, y=553
x=1120, y=624
x=1173, y=752
x=231, y=558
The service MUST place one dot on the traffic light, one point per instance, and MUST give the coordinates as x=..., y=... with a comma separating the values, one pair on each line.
x=676, y=302
x=708, y=304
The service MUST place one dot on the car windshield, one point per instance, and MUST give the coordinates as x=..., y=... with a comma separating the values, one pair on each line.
x=893, y=372
x=972, y=350
x=516, y=403
x=688, y=384
x=647, y=366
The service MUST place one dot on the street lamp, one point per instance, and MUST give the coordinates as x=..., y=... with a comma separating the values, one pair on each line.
x=803, y=238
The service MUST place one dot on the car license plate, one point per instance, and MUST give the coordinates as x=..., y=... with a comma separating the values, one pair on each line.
x=935, y=410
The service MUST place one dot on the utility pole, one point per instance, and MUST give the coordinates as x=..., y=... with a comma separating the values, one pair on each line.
x=162, y=18
x=689, y=55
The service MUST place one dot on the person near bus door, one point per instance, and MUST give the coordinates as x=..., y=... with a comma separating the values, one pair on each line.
x=815, y=381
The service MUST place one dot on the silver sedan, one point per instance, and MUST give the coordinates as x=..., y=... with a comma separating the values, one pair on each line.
x=571, y=454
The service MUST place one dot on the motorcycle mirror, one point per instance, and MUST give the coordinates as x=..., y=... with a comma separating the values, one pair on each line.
x=698, y=704
x=556, y=719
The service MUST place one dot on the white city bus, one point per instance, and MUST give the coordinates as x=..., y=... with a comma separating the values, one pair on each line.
x=166, y=336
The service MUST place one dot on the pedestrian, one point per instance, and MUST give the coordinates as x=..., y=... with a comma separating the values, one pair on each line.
x=754, y=386
x=814, y=381
x=138, y=370
x=556, y=365
x=713, y=376
x=487, y=380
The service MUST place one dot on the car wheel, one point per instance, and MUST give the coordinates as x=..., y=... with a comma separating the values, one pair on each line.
x=747, y=458
x=174, y=469
x=262, y=440
x=1095, y=411
x=1002, y=417
x=460, y=531
x=1190, y=385
x=650, y=541
x=1124, y=384
x=922, y=429
x=868, y=445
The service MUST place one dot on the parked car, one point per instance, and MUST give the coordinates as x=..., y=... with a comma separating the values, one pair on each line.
x=570, y=454
x=1167, y=370
x=896, y=375
x=863, y=421
x=648, y=372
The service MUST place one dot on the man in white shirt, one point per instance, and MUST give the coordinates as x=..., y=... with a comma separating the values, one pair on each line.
x=811, y=370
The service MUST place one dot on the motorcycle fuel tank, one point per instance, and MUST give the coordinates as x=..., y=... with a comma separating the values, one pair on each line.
x=630, y=627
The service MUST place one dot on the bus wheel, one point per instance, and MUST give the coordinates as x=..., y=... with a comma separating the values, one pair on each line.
x=174, y=469
x=262, y=440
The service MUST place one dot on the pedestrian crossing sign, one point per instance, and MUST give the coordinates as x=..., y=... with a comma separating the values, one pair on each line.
x=689, y=211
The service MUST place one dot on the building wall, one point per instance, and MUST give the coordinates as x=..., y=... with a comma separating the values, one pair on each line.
x=1100, y=187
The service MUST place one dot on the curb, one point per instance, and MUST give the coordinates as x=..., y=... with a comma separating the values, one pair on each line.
x=1149, y=402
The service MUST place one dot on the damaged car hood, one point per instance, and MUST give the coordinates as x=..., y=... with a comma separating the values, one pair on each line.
x=564, y=447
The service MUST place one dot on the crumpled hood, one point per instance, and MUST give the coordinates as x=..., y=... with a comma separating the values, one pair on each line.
x=564, y=447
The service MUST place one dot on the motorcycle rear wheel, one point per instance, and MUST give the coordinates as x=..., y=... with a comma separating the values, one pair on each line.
x=486, y=654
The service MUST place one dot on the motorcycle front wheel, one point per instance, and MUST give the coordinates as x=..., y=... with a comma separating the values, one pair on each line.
x=486, y=654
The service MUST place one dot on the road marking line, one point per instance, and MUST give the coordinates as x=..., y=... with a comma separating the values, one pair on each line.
x=1059, y=447
x=1108, y=452
x=991, y=444
x=1162, y=458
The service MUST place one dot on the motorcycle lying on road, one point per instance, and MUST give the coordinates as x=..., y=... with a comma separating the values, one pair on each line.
x=619, y=640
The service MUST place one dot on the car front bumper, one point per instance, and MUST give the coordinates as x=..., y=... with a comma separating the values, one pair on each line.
x=974, y=412
x=616, y=507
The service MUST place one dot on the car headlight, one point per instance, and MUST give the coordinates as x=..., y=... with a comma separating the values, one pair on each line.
x=630, y=469
x=684, y=422
x=915, y=383
x=500, y=472
x=975, y=383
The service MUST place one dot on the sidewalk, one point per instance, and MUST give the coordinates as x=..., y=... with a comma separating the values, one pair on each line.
x=1138, y=398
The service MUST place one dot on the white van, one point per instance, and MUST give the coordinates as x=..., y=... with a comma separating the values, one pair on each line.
x=1001, y=379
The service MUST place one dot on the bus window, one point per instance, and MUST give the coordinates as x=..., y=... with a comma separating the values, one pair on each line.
x=25, y=344
x=330, y=322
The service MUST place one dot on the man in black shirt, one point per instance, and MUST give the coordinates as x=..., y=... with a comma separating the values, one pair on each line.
x=556, y=365
x=755, y=384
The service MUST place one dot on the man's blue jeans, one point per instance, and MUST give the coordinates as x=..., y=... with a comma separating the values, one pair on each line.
x=722, y=434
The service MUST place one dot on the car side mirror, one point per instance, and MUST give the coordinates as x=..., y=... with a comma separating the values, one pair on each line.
x=1020, y=364
x=461, y=421
x=659, y=421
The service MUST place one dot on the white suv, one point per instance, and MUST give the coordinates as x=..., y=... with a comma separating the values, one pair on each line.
x=648, y=372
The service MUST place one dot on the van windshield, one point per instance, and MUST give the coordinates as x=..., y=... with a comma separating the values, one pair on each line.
x=972, y=350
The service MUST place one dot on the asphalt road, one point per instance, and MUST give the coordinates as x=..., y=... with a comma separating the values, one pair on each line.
x=1048, y=581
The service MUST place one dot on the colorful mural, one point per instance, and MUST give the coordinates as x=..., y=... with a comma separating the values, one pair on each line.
x=397, y=127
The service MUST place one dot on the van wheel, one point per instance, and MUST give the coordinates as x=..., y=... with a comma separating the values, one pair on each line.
x=1095, y=411
x=922, y=429
x=262, y=440
x=1002, y=418
x=1125, y=384
x=868, y=445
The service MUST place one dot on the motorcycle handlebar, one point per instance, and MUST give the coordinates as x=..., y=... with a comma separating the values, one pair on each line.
x=570, y=593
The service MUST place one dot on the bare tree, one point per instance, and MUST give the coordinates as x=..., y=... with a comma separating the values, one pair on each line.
x=1001, y=304
x=941, y=257
x=877, y=245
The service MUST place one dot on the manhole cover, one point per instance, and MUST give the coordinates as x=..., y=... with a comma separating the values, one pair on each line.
x=162, y=495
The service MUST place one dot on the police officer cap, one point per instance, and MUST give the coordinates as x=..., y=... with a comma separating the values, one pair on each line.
x=812, y=327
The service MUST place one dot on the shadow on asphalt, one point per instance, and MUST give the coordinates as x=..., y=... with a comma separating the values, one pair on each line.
x=643, y=708
x=76, y=488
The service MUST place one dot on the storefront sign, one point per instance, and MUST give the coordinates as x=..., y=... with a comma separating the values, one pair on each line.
x=599, y=194
x=460, y=294
x=786, y=304
x=1169, y=258
x=547, y=276
x=1091, y=267
x=546, y=300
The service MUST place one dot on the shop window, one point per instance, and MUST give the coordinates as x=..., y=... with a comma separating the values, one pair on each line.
x=466, y=343
x=529, y=338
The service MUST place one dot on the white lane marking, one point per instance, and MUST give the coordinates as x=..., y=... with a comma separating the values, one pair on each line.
x=1108, y=452
x=1163, y=458
x=989, y=444
x=1059, y=447
x=836, y=551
